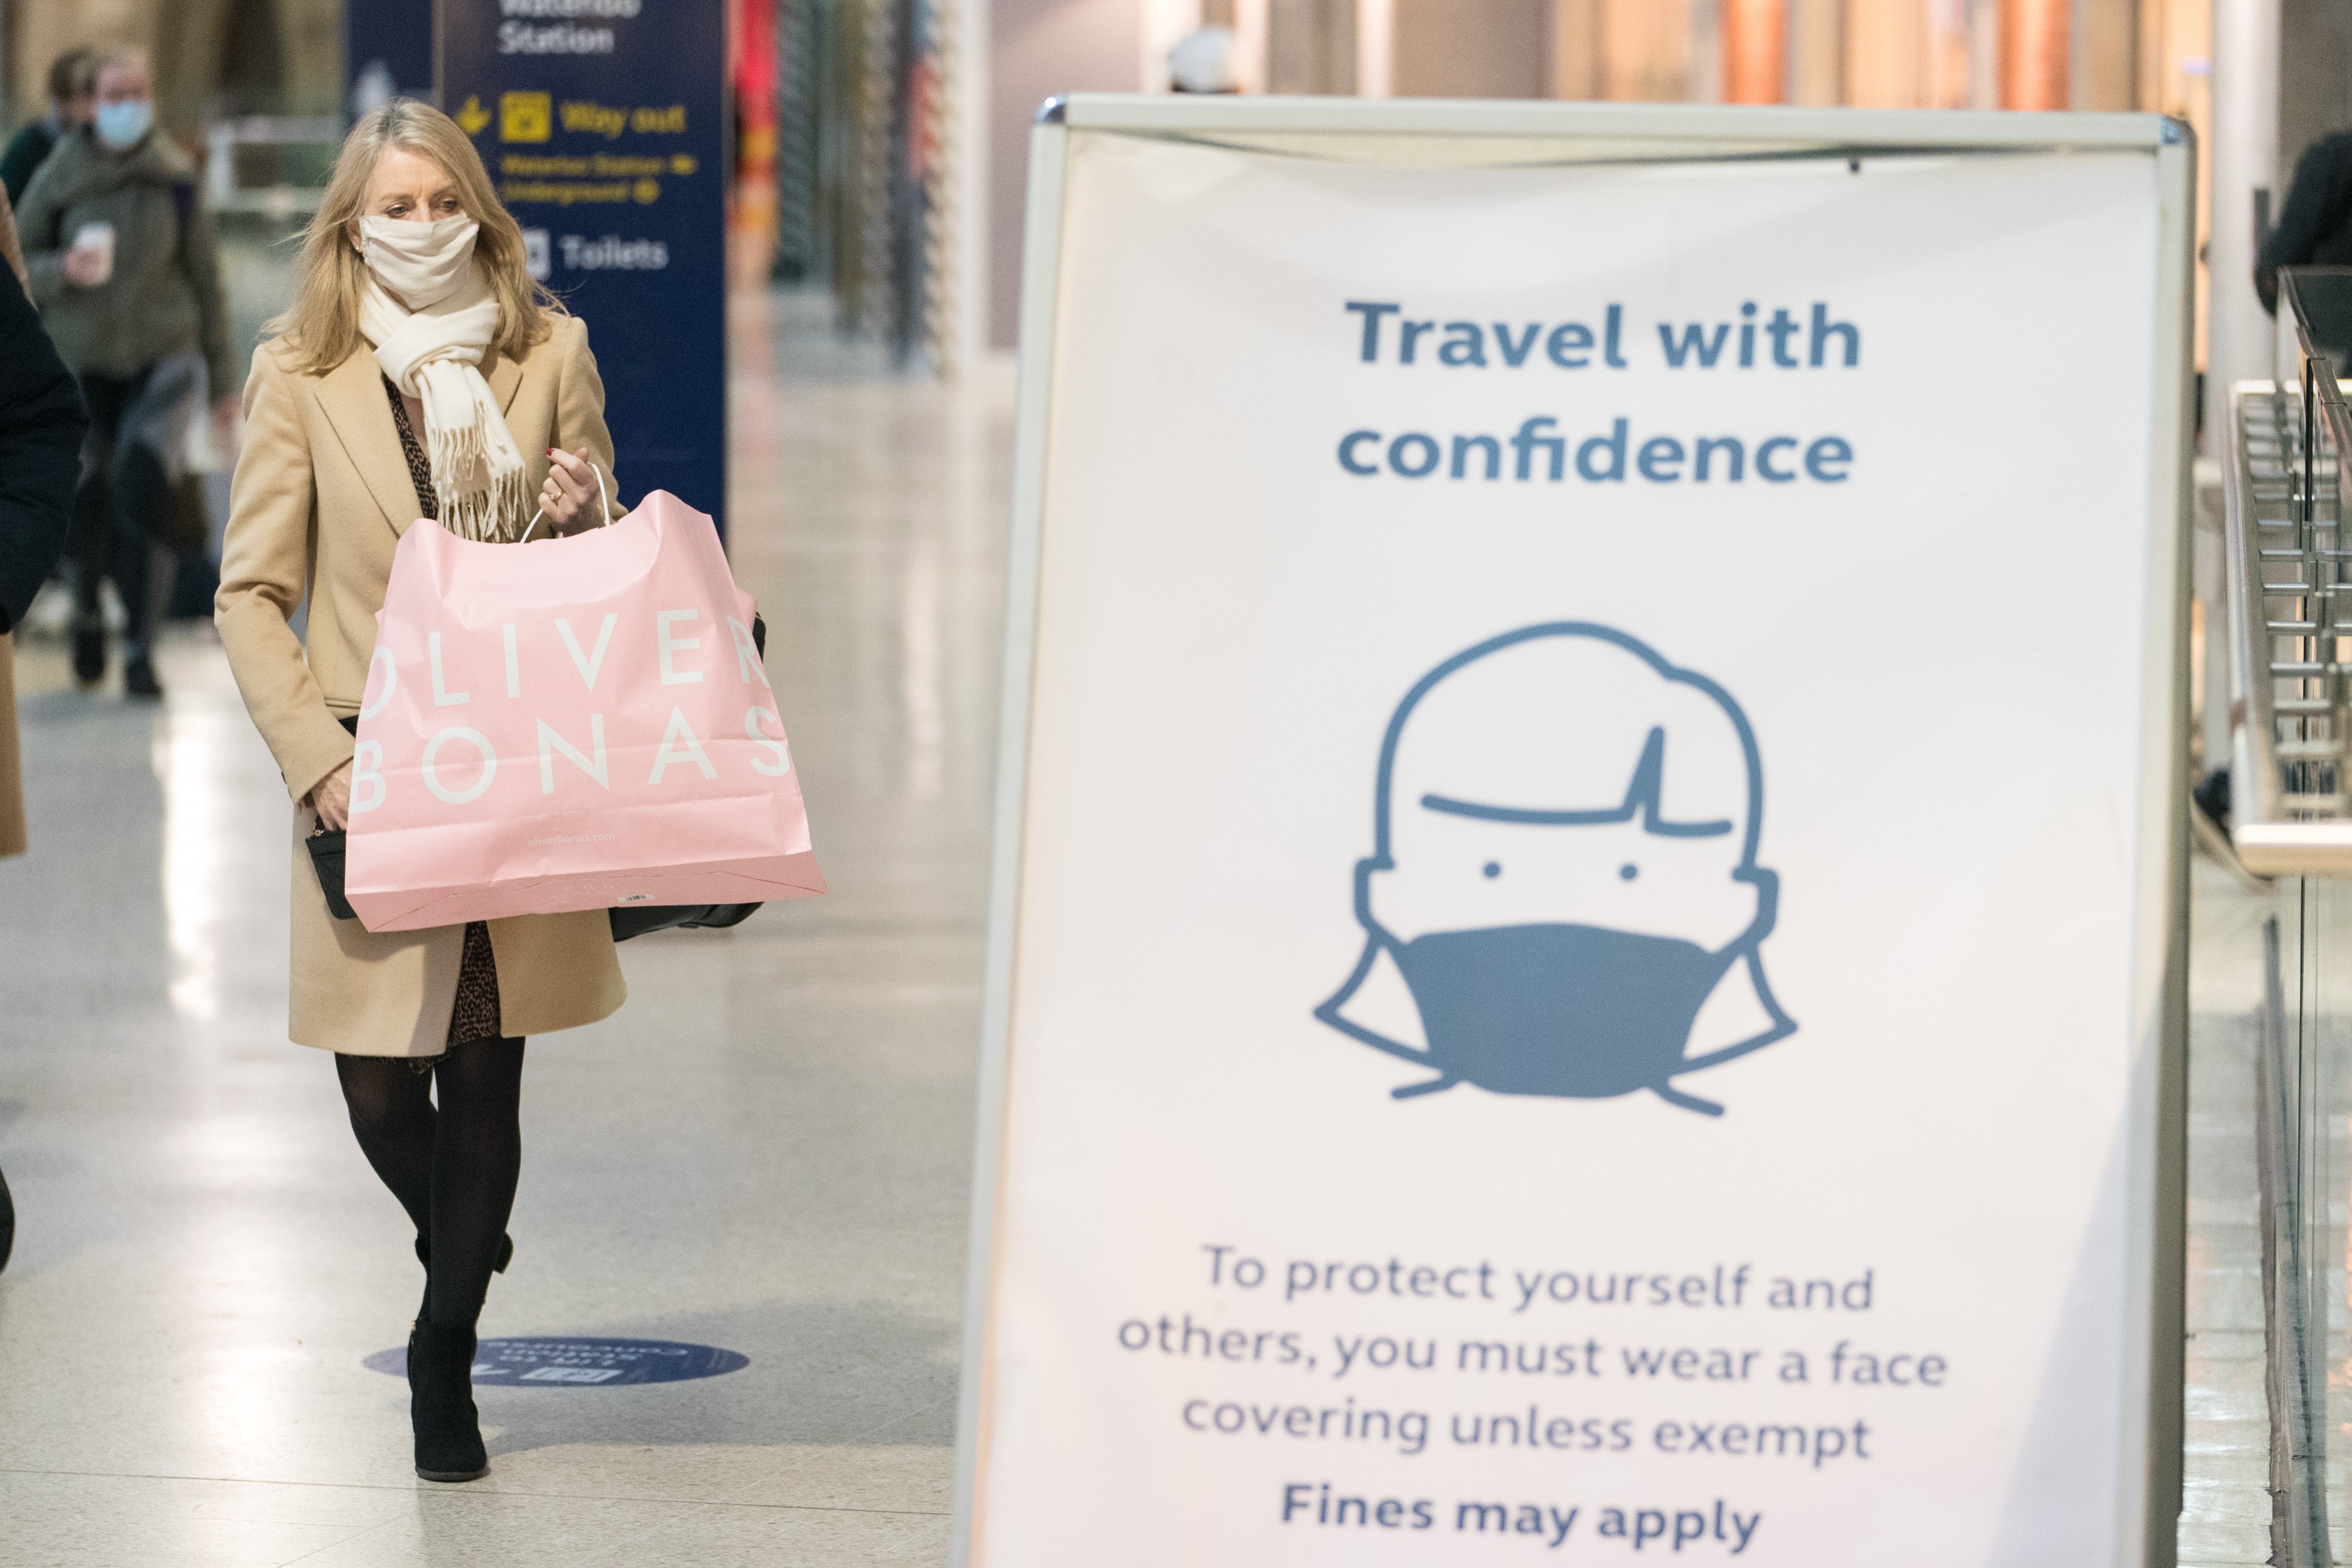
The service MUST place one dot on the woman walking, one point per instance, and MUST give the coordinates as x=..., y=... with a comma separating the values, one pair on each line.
x=420, y=373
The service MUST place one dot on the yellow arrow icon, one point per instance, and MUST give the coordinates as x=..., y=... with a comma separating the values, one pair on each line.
x=473, y=117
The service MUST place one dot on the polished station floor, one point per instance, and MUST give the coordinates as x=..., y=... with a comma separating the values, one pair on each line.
x=765, y=1152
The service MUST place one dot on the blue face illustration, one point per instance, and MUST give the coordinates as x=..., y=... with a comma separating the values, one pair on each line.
x=1565, y=869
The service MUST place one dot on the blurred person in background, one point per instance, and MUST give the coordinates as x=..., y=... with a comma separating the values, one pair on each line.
x=70, y=86
x=1204, y=61
x=419, y=371
x=2315, y=226
x=126, y=271
x=41, y=428
x=41, y=432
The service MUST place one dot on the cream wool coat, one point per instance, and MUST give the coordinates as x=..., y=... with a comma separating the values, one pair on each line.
x=321, y=496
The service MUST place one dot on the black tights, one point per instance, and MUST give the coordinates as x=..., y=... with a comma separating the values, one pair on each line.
x=453, y=1169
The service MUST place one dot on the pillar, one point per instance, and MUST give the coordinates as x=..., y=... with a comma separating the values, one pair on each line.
x=2035, y=39
x=1755, y=51
x=1037, y=50
x=2246, y=155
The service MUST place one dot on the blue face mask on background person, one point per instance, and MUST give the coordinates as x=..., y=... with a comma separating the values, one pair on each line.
x=124, y=124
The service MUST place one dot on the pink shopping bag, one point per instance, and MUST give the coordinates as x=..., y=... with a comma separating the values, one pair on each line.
x=573, y=724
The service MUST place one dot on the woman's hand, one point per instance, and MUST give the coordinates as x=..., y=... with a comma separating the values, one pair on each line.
x=332, y=797
x=84, y=267
x=571, y=486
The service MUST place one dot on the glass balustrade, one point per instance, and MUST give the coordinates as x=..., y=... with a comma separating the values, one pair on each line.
x=2290, y=566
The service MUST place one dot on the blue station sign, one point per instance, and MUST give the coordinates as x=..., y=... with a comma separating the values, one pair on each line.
x=602, y=123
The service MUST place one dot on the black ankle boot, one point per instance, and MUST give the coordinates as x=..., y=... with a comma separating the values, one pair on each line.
x=441, y=1403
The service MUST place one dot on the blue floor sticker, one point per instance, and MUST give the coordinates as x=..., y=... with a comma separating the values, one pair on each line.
x=549, y=1363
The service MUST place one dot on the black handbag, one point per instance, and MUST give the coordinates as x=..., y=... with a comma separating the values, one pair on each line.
x=637, y=919
x=327, y=859
x=326, y=848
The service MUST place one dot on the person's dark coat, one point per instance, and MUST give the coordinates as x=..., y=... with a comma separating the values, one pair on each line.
x=165, y=296
x=2315, y=227
x=26, y=151
x=41, y=425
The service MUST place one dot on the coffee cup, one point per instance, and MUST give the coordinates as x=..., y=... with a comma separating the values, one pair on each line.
x=97, y=237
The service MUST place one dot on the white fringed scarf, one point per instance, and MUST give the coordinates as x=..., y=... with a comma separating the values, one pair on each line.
x=434, y=355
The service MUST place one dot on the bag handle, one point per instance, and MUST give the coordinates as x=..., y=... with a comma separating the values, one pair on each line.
x=603, y=507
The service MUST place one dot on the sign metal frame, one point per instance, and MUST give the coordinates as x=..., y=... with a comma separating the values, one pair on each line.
x=2149, y=1501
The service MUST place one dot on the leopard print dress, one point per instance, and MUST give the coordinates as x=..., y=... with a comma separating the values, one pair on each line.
x=476, y=1015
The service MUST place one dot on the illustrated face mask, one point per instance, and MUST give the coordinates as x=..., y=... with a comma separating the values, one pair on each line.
x=124, y=124
x=422, y=263
x=1558, y=1009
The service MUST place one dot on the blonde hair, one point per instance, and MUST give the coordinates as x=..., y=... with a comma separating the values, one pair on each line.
x=322, y=325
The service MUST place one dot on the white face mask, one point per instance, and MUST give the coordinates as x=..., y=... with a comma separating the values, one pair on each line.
x=422, y=263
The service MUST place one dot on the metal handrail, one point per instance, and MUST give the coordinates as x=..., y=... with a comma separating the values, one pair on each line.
x=2289, y=563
